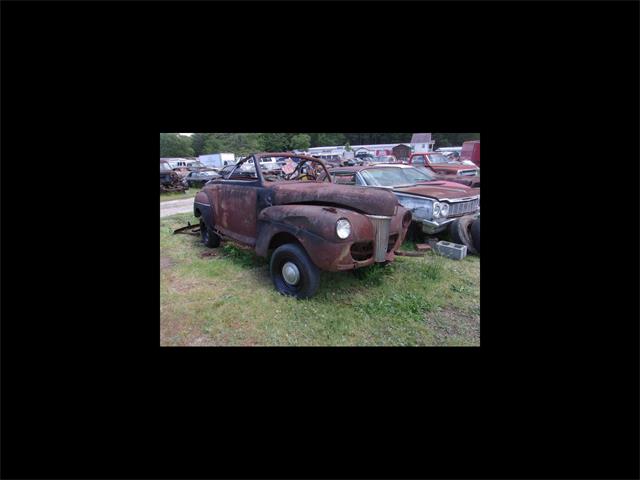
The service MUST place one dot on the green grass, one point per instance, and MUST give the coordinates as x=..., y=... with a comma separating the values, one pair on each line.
x=229, y=299
x=190, y=193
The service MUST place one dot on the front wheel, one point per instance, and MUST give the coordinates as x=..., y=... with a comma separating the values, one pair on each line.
x=292, y=271
x=460, y=231
x=475, y=234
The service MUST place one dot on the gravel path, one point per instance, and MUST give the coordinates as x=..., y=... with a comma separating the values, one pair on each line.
x=176, y=206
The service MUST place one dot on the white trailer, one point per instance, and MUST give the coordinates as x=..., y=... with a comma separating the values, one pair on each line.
x=217, y=160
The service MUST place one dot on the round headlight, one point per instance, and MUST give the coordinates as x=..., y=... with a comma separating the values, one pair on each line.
x=343, y=228
x=436, y=209
x=444, y=209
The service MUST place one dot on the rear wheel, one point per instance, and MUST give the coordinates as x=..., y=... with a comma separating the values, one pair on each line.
x=209, y=238
x=292, y=271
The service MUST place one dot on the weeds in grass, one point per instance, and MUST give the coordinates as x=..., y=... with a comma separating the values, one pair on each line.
x=432, y=270
x=408, y=246
x=405, y=305
x=429, y=269
x=375, y=274
x=241, y=256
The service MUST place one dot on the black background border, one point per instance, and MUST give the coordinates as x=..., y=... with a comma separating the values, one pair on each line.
x=551, y=393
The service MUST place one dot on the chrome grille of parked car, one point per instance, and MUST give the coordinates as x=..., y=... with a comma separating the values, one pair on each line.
x=463, y=208
x=468, y=172
x=381, y=236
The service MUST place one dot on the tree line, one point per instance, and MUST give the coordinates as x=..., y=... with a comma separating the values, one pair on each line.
x=174, y=145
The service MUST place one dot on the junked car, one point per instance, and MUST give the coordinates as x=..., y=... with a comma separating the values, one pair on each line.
x=435, y=205
x=467, y=180
x=386, y=159
x=365, y=157
x=199, y=177
x=170, y=181
x=437, y=162
x=302, y=217
x=331, y=160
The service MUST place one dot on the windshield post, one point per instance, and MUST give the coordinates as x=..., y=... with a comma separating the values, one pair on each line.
x=256, y=163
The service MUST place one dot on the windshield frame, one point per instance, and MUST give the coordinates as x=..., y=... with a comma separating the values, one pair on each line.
x=256, y=157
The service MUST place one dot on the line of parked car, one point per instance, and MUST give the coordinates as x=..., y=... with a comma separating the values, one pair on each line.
x=181, y=178
x=313, y=215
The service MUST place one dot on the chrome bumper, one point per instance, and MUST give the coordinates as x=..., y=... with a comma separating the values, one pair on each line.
x=430, y=227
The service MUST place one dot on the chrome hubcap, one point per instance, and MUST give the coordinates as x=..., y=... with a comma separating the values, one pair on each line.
x=290, y=273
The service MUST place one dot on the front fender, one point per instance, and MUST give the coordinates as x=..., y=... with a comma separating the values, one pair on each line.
x=314, y=226
x=202, y=208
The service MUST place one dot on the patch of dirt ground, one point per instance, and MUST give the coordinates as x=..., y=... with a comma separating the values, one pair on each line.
x=450, y=325
x=166, y=262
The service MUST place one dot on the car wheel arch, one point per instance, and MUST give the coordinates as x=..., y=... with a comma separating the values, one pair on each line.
x=282, y=237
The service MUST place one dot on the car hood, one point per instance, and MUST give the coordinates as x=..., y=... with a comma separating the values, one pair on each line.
x=372, y=201
x=439, y=190
x=468, y=180
x=451, y=166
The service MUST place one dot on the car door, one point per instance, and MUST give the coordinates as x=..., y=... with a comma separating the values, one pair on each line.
x=237, y=208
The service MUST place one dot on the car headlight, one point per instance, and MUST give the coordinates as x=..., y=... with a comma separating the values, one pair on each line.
x=343, y=228
x=436, y=209
x=444, y=209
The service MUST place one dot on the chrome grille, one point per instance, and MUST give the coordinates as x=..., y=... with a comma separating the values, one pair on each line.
x=467, y=172
x=463, y=208
x=380, y=236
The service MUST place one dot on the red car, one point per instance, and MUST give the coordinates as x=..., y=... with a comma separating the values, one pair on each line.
x=471, y=151
x=437, y=162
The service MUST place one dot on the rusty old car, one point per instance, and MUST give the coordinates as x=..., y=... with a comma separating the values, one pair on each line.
x=170, y=181
x=302, y=218
x=435, y=205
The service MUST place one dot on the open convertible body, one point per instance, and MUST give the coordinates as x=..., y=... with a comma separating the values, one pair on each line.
x=299, y=215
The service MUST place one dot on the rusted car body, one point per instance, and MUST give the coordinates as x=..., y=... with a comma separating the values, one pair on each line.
x=434, y=204
x=199, y=167
x=471, y=151
x=440, y=164
x=170, y=181
x=334, y=227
